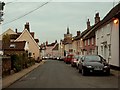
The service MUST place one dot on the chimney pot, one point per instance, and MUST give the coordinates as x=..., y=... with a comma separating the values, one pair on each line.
x=27, y=26
x=97, y=18
x=78, y=33
x=46, y=43
x=88, y=24
x=16, y=30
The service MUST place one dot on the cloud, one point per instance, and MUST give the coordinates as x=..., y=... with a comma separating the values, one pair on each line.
x=50, y=21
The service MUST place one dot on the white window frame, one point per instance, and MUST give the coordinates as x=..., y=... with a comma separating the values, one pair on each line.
x=92, y=41
x=85, y=42
x=88, y=41
x=102, y=50
x=109, y=48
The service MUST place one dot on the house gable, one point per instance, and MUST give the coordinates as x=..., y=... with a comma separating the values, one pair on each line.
x=9, y=31
x=33, y=46
x=26, y=33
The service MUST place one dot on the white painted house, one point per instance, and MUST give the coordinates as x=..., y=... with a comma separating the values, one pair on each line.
x=107, y=36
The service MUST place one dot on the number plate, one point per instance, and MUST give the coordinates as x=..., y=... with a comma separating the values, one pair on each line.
x=97, y=68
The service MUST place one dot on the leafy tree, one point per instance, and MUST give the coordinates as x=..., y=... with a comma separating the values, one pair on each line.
x=6, y=40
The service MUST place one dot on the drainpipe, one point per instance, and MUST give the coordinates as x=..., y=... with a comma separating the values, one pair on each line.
x=119, y=40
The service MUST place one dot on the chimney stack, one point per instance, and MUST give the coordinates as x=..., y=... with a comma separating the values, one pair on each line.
x=68, y=30
x=27, y=26
x=97, y=18
x=78, y=33
x=46, y=43
x=55, y=41
x=88, y=24
x=16, y=30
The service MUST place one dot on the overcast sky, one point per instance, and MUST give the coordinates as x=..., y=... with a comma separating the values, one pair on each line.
x=50, y=21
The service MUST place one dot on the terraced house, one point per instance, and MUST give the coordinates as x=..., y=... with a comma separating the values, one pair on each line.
x=107, y=36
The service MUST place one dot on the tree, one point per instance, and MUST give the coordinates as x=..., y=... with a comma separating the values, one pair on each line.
x=5, y=40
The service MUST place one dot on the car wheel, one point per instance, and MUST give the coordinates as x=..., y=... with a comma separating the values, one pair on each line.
x=108, y=72
x=76, y=67
x=79, y=70
x=83, y=72
x=71, y=65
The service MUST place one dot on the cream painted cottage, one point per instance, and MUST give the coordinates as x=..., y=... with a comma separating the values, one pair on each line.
x=27, y=36
x=107, y=36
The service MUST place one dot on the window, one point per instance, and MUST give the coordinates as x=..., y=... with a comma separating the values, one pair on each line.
x=12, y=45
x=92, y=41
x=88, y=41
x=102, y=32
x=102, y=50
x=109, y=48
x=85, y=42
x=108, y=29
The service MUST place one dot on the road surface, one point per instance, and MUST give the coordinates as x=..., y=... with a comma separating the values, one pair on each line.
x=57, y=74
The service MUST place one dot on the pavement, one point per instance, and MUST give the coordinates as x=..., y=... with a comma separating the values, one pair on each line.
x=7, y=81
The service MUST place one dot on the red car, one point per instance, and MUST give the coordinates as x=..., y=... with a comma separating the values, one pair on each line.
x=69, y=58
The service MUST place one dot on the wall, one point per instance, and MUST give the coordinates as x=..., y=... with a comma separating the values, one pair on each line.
x=6, y=65
x=33, y=46
x=107, y=36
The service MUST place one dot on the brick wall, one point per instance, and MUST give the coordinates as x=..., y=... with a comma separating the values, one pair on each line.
x=6, y=66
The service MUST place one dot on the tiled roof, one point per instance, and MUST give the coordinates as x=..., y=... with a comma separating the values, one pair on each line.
x=18, y=46
x=52, y=44
x=114, y=12
x=83, y=33
x=32, y=33
x=56, y=47
x=37, y=40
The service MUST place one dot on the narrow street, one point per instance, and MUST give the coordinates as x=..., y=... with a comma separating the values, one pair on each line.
x=57, y=74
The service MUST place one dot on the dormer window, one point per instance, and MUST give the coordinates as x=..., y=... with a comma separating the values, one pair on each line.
x=12, y=45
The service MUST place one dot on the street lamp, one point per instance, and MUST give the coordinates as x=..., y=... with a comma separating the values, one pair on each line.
x=116, y=21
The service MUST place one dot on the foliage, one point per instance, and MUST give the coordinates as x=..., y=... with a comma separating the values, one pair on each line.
x=6, y=39
x=16, y=62
x=21, y=61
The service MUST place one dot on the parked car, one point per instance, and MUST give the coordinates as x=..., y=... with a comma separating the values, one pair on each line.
x=46, y=57
x=61, y=58
x=75, y=60
x=68, y=58
x=80, y=56
x=54, y=58
x=93, y=63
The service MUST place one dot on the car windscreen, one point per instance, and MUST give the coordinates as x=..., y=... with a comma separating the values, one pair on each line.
x=77, y=57
x=92, y=58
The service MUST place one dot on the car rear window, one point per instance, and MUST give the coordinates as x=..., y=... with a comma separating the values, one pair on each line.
x=70, y=56
x=92, y=58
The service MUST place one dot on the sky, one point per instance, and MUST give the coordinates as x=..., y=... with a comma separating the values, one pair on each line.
x=50, y=21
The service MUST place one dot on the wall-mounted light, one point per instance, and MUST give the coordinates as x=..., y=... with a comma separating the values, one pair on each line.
x=115, y=21
x=81, y=39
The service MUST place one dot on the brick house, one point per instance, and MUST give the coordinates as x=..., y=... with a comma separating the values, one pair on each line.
x=68, y=42
x=15, y=48
x=89, y=38
x=76, y=44
x=51, y=49
x=55, y=50
x=107, y=36
x=25, y=35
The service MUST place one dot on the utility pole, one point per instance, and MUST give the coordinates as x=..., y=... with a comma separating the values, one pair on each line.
x=2, y=4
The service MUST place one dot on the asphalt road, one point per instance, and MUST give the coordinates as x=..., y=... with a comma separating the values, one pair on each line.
x=57, y=74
